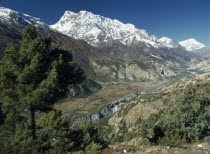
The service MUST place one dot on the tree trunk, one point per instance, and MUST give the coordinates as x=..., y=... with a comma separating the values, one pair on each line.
x=33, y=124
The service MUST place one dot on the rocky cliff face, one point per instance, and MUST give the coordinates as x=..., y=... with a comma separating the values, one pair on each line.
x=134, y=71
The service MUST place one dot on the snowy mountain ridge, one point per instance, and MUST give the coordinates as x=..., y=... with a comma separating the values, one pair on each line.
x=10, y=17
x=170, y=43
x=96, y=30
x=191, y=44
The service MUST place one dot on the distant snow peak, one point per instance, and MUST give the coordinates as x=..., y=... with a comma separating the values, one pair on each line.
x=96, y=30
x=191, y=44
x=8, y=16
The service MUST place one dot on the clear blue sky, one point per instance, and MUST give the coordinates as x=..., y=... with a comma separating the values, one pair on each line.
x=177, y=19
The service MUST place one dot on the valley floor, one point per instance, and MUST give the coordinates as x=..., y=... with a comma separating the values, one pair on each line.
x=84, y=106
x=80, y=107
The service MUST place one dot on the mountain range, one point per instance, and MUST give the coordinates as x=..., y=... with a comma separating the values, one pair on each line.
x=106, y=49
x=98, y=30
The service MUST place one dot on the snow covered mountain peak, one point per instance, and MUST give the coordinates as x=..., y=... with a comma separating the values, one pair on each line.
x=83, y=12
x=67, y=13
x=96, y=30
x=191, y=44
x=11, y=17
x=170, y=43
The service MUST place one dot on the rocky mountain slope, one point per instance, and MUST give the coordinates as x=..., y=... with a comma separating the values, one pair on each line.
x=203, y=52
x=97, y=63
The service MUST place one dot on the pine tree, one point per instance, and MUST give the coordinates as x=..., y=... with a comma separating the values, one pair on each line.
x=34, y=76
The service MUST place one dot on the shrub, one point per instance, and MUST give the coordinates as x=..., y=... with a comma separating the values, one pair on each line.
x=172, y=138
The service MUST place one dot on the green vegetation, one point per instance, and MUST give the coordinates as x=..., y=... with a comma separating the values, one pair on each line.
x=189, y=116
x=33, y=77
x=185, y=119
x=172, y=138
x=1, y=116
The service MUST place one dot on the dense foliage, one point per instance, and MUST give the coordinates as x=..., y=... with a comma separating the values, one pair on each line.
x=189, y=116
x=32, y=78
x=185, y=119
x=53, y=136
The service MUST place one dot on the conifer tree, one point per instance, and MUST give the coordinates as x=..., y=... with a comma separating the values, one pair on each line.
x=34, y=76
